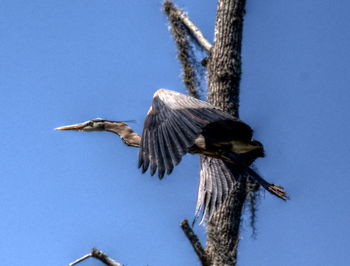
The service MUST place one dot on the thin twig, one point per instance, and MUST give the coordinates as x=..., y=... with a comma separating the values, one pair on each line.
x=195, y=31
x=97, y=254
x=81, y=259
x=196, y=244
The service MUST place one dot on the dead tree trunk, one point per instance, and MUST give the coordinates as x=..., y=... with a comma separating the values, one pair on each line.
x=224, y=74
x=224, y=64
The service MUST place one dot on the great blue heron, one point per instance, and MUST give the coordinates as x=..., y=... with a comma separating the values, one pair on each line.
x=177, y=124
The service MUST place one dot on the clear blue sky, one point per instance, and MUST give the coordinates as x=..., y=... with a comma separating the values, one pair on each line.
x=62, y=193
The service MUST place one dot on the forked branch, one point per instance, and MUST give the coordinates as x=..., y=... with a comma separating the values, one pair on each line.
x=169, y=7
x=97, y=254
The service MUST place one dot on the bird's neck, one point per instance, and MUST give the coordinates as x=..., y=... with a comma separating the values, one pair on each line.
x=119, y=128
x=129, y=136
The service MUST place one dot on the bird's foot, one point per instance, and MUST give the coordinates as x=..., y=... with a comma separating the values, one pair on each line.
x=278, y=191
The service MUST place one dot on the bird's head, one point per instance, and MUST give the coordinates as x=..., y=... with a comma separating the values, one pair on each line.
x=97, y=124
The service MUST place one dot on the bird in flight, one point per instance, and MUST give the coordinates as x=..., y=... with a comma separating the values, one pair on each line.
x=177, y=124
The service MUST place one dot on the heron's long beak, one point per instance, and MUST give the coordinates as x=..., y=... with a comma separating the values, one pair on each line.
x=72, y=127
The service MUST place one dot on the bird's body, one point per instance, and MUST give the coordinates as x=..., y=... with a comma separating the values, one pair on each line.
x=177, y=124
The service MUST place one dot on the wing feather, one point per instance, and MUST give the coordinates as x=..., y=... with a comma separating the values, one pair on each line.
x=208, y=191
x=179, y=137
x=152, y=153
x=174, y=120
x=174, y=145
x=216, y=187
x=158, y=155
x=183, y=134
x=165, y=153
x=217, y=180
x=144, y=151
x=219, y=186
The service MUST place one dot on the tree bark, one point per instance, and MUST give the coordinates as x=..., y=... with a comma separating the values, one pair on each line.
x=224, y=74
x=224, y=66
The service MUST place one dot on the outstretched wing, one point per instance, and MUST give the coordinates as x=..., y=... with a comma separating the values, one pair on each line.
x=215, y=183
x=172, y=124
x=217, y=180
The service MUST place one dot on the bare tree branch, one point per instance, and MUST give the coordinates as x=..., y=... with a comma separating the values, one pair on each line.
x=196, y=244
x=97, y=254
x=80, y=259
x=184, y=47
x=195, y=31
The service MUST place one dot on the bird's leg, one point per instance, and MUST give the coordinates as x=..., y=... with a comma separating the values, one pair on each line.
x=276, y=190
x=234, y=159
